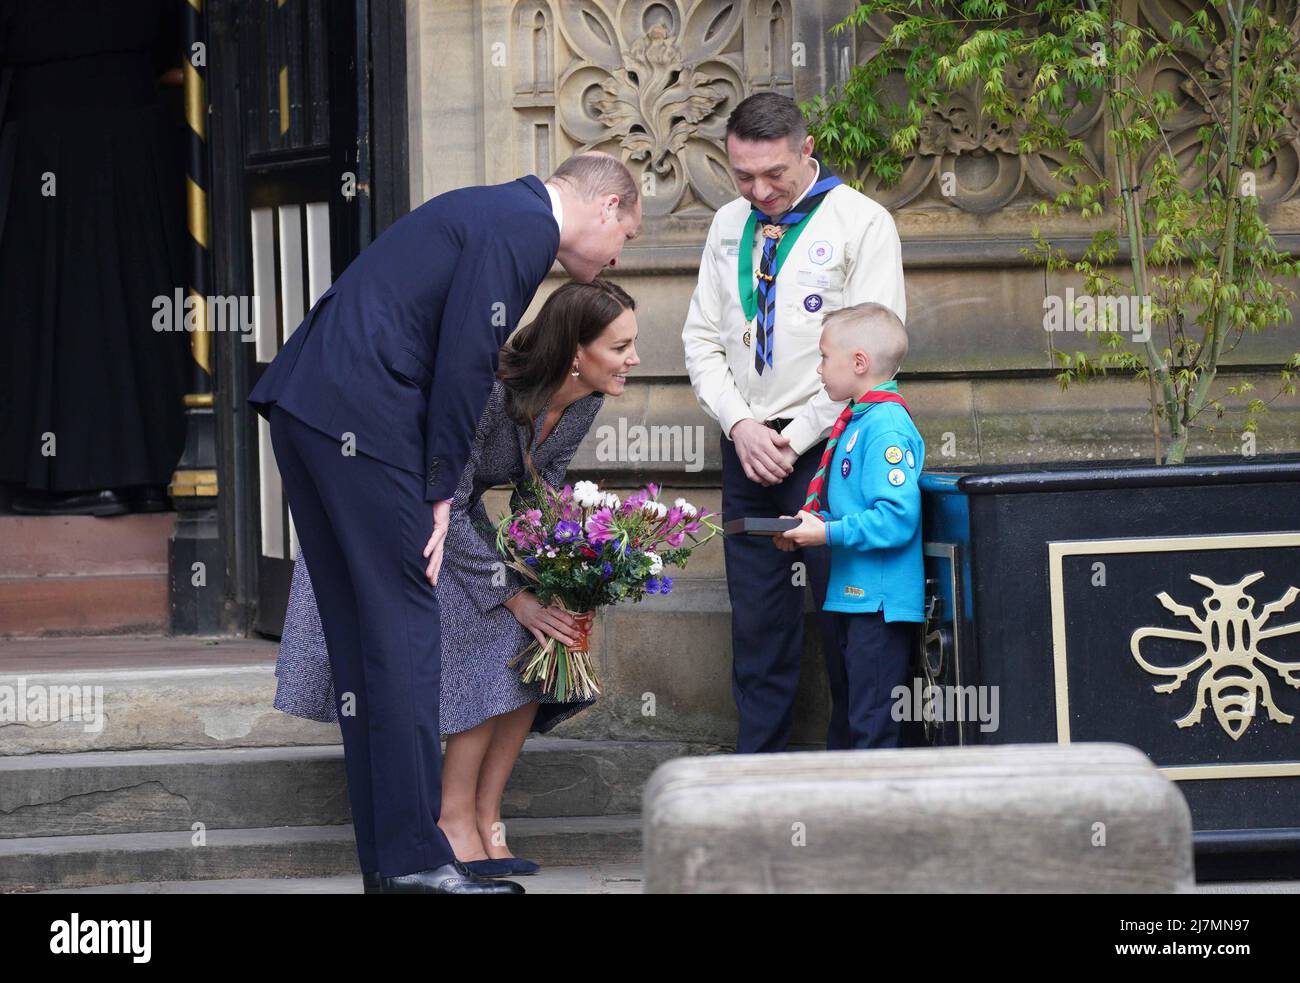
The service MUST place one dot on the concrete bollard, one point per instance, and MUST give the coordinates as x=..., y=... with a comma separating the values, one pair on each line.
x=1075, y=818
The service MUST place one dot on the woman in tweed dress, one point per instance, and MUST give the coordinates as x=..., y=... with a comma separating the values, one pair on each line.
x=555, y=373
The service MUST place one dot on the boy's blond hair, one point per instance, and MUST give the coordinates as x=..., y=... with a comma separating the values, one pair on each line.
x=872, y=328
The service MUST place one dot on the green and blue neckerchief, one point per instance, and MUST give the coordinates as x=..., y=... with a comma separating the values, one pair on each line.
x=759, y=299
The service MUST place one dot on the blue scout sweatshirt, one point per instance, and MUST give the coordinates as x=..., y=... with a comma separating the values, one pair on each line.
x=873, y=513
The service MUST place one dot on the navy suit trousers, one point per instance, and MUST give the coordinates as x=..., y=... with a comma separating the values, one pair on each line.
x=877, y=655
x=362, y=526
x=767, y=610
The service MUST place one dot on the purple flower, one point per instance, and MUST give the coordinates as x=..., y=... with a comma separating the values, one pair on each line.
x=600, y=527
x=652, y=585
x=607, y=571
x=668, y=585
x=566, y=531
x=531, y=560
x=674, y=539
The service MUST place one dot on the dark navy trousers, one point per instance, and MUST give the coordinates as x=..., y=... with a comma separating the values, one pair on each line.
x=362, y=526
x=767, y=610
x=876, y=655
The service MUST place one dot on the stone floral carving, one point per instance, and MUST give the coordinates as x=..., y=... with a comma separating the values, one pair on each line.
x=652, y=81
x=655, y=103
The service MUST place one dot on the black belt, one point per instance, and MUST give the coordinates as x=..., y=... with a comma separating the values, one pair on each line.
x=778, y=425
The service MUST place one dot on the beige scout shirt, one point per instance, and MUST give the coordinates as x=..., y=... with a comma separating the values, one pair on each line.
x=848, y=253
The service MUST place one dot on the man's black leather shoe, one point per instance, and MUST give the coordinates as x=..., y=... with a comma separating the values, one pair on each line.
x=102, y=502
x=452, y=878
x=370, y=883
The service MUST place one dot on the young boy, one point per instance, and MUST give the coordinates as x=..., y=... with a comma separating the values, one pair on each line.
x=864, y=502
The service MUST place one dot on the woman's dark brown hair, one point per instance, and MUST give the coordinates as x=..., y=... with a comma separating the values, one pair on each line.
x=539, y=355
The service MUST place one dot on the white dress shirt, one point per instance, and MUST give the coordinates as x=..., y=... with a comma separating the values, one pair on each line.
x=847, y=253
x=557, y=209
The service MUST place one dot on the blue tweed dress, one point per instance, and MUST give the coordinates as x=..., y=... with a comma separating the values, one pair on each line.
x=479, y=634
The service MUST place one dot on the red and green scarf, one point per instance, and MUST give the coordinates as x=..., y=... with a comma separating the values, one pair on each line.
x=886, y=392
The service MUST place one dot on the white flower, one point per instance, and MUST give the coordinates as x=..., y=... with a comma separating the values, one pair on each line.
x=656, y=564
x=587, y=495
x=658, y=509
x=612, y=501
x=687, y=508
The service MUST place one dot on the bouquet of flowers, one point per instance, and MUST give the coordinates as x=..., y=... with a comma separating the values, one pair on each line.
x=586, y=548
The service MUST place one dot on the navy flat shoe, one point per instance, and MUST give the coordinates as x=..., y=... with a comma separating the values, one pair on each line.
x=370, y=883
x=518, y=866
x=488, y=868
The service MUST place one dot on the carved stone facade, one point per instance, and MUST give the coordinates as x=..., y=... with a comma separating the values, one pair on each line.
x=652, y=81
x=987, y=171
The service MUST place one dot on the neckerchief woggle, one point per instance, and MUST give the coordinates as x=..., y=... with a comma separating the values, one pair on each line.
x=746, y=282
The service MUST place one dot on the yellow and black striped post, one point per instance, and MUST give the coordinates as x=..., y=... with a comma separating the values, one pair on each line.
x=196, y=559
x=191, y=480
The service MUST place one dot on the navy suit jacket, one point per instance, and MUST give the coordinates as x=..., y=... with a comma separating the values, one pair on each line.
x=401, y=350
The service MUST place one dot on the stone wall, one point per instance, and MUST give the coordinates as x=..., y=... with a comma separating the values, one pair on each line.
x=500, y=88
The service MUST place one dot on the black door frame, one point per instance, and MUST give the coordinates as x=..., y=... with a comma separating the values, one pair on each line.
x=377, y=112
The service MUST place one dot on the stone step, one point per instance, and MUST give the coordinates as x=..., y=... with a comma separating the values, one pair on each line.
x=621, y=878
x=44, y=863
x=665, y=666
x=145, y=693
x=111, y=792
x=83, y=605
x=83, y=545
x=64, y=575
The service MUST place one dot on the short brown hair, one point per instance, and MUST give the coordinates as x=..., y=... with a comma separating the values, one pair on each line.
x=768, y=116
x=594, y=174
x=875, y=329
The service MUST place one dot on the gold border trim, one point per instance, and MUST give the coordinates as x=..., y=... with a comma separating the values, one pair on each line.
x=1056, y=553
x=193, y=483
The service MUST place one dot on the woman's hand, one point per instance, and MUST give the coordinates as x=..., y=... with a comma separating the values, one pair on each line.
x=543, y=621
x=433, y=548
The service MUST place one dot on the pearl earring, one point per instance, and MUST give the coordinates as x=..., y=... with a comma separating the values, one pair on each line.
x=575, y=372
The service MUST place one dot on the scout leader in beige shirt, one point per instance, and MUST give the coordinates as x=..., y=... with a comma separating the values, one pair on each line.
x=847, y=252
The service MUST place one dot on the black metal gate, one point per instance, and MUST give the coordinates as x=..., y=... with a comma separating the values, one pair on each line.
x=295, y=85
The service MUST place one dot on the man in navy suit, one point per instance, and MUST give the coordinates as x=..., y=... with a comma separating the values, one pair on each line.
x=373, y=403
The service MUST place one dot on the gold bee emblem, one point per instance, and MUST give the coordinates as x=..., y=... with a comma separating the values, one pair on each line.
x=1229, y=634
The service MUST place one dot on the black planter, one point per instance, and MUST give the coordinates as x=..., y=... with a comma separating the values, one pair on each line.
x=1044, y=580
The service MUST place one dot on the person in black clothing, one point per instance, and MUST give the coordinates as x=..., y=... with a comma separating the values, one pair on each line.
x=91, y=232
